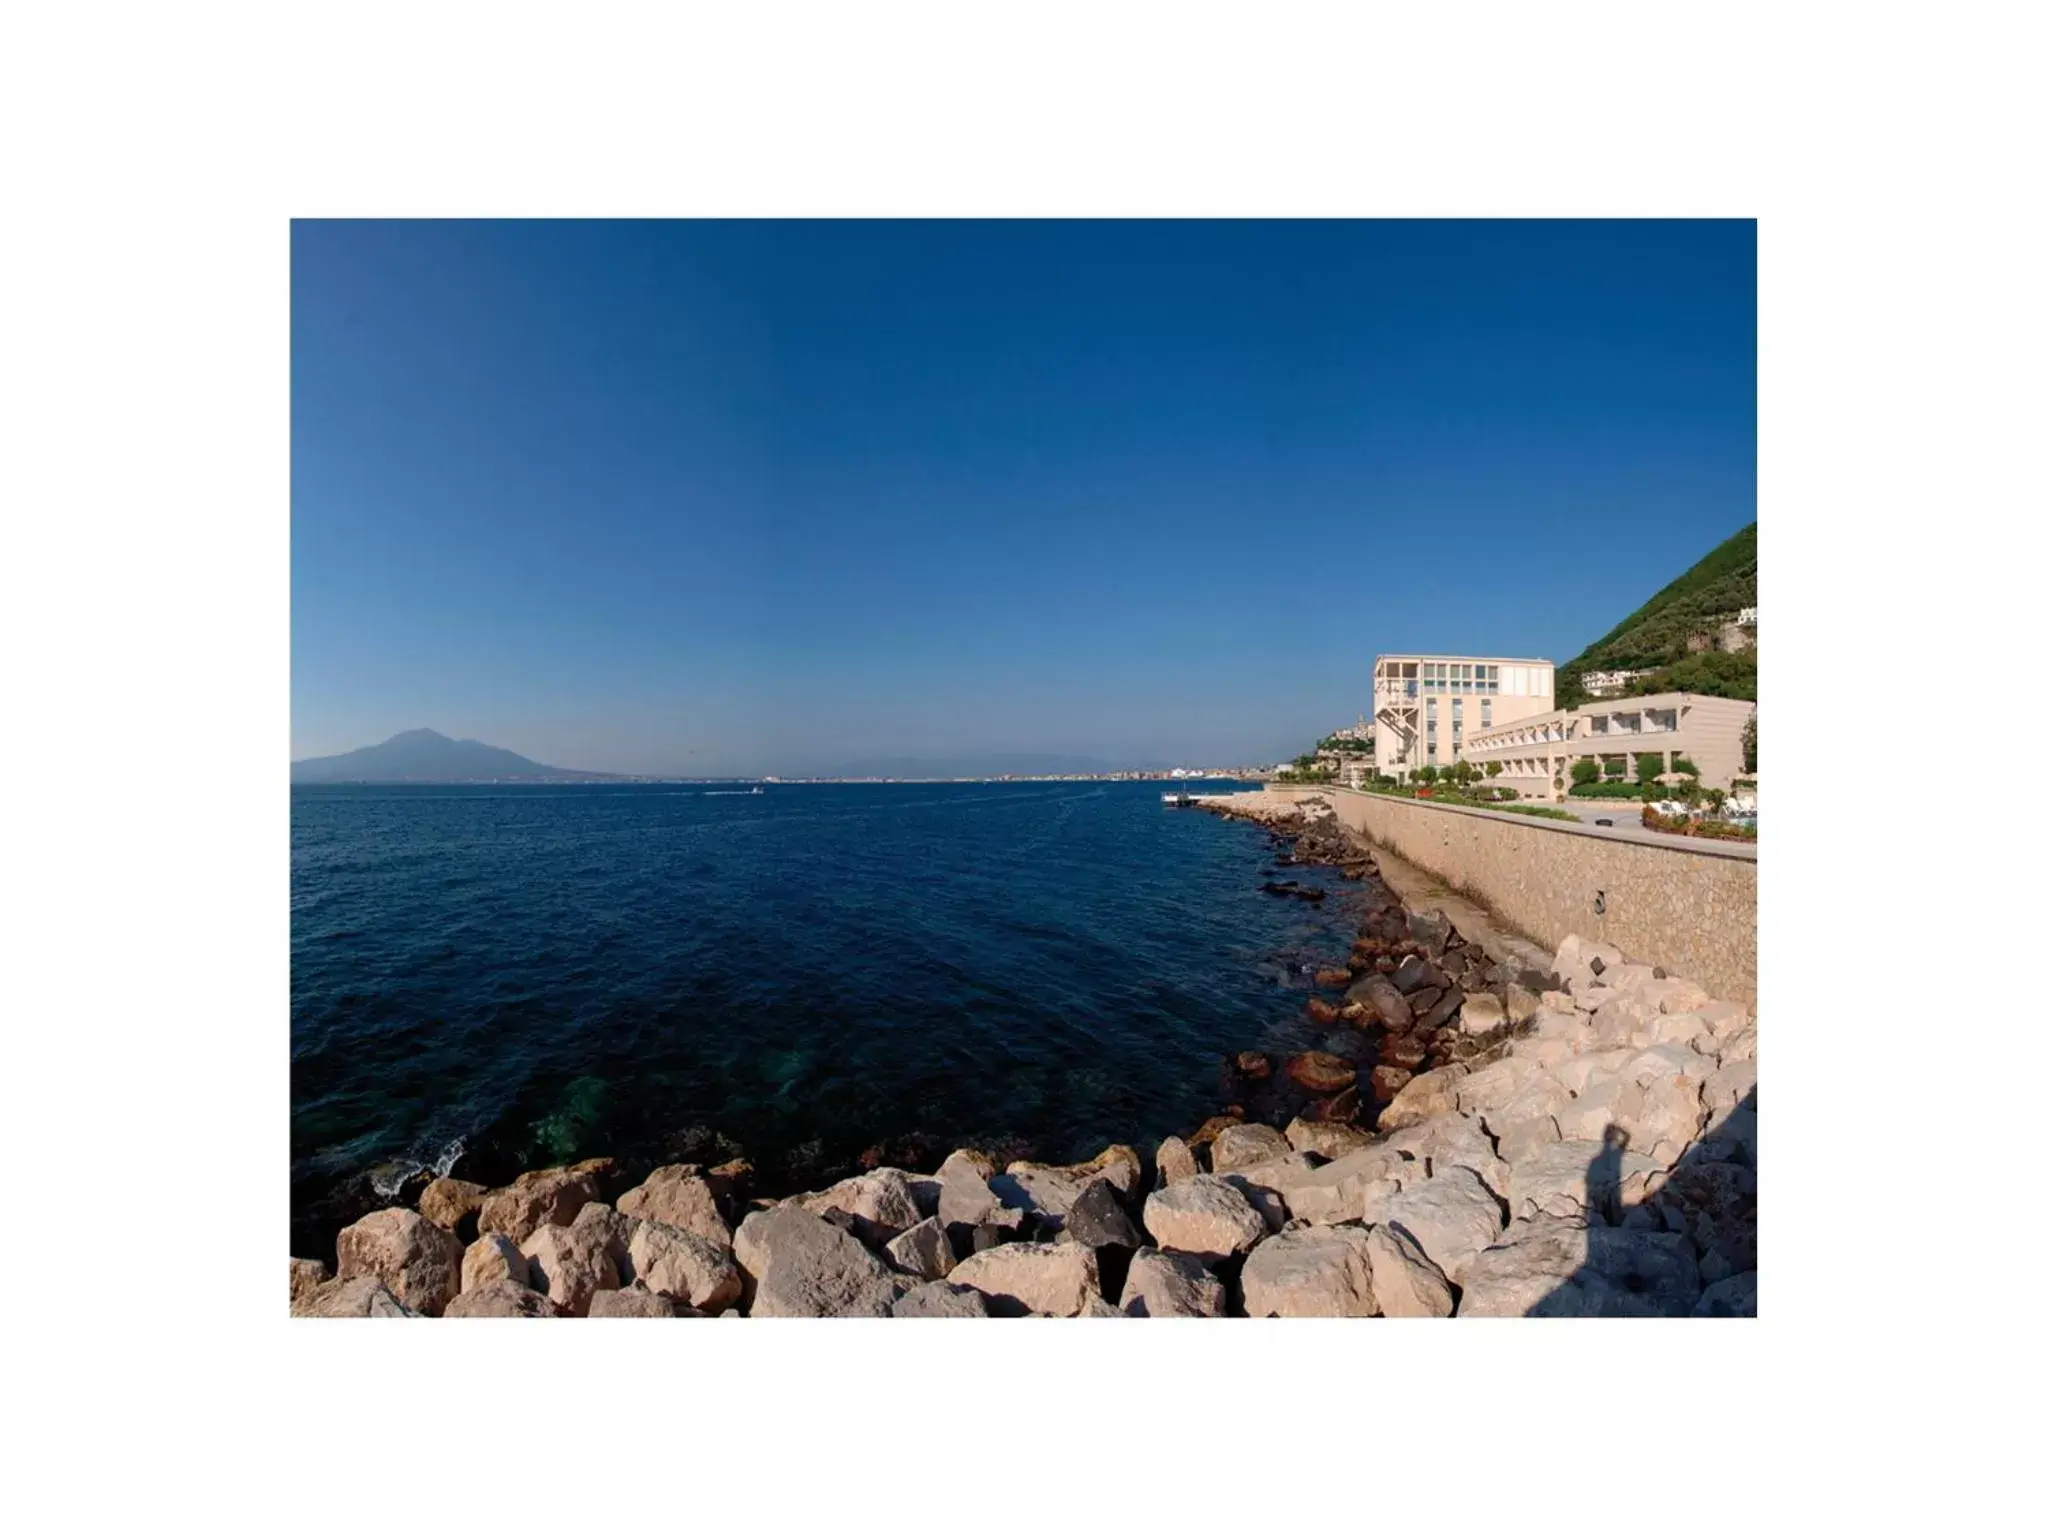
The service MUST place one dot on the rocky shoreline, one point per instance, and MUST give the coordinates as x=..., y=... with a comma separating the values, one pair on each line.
x=1474, y=1137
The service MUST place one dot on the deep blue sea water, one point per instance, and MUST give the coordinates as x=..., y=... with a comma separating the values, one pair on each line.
x=489, y=978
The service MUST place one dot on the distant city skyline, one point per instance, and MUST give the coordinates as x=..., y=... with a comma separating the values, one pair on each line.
x=760, y=498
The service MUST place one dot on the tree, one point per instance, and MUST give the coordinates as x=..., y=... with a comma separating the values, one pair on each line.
x=1648, y=766
x=1749, y=746
x=1585, y=771
x=1426, y=773
x=1493, y=770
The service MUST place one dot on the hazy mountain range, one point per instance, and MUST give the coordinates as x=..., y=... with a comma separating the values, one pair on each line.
x=428, y=757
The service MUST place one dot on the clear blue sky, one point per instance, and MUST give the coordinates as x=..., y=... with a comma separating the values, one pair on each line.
x=761, y=497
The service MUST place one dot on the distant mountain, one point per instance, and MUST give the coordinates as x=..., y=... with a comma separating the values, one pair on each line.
x=1665, y=637
x=428, y=757
x=993, y=765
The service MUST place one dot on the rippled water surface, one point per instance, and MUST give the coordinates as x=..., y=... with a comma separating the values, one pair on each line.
x=496, y=977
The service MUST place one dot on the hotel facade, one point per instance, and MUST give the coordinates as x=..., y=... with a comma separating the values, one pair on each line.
x=1440, y=710
x=1625, y=736
x=1425, y=708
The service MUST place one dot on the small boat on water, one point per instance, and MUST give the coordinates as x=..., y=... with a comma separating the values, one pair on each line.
x=1178, y=797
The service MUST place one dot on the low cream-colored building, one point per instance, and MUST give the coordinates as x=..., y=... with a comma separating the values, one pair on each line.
x=1426, y=708
x=1536, y=753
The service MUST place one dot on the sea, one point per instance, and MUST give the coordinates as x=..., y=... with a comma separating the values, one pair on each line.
x=486, y=979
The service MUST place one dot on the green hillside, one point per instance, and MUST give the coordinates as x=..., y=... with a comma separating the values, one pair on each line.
x=1654, y=636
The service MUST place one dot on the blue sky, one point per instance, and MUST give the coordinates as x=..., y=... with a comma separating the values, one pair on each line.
x=767, y=497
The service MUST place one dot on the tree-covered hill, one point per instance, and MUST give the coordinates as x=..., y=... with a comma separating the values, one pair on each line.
x=1654, y=637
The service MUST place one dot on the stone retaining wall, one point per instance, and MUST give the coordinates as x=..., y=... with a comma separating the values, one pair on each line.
x=1692, y=912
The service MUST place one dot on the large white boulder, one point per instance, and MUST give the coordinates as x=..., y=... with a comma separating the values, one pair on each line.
x=1310, y=1272
x=1356, y=1187
x=1240, y=1146
x=882, y=1203
x=1452, y=1217
x=1170, y=1285
x=1578, y=1180
x=1549, y=1268
x=1050, y=1279
x=1451, y=1141
x=1404, y=1281
x=801, y=1265
x=1203, y=1216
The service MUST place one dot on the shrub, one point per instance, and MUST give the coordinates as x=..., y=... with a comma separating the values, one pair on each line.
x=1649, y=765
x=1426, y=773
x=1742, y=785
x=1615, y=767
x=1749, y=746
x=1585, y=771
x=1613, y=789
x=1493, y=770
x=1684, y=765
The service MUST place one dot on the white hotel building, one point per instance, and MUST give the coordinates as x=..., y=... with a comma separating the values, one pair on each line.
x=1439, y=710
x=1424, y=708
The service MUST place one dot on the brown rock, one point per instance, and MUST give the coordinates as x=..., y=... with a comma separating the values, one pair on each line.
x=1213, y=1127
x=638, y=1301
x=1333, y=978
x=446, y=1201
x=1325, y=1139
x=679, y=1195
x=571, y=1265
x=1175, y=1161
x=681, y=1264
x=1321, y=1073
x=1405, y=1051
x=493, y=1259
x=1338, y=1109
x=1322, y=1012
x=1355, y=1012
x=501, y=1298
x=545, y=1197
x=420, y=1263
x=1253, y=1065
x=357, y=1296
x=1388, y=1003
x=307, y=1276
x=1388, y=1081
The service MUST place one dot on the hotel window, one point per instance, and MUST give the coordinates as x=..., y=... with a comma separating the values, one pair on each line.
x=1457, y=709
x=1432, y=708
x=1486, y=711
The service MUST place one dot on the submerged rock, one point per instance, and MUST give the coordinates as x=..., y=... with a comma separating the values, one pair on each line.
x=1321, y=1073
